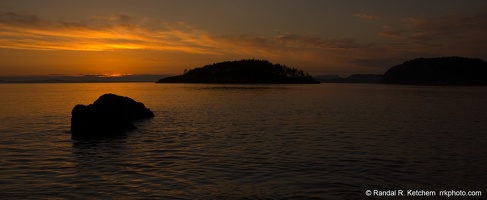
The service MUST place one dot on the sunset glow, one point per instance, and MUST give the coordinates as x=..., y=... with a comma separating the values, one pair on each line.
x=243, y=99
x=166, y=42
x=115, y=75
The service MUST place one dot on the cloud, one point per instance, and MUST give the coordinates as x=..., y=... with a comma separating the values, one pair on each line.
x=438, y=30
x=122, y=32
x=284, y=41
x=23, y=31
x=377, y=62
x=11, y=18
x=366, y=17
x=450, y=35
x=114, y=18
x=119, y=32
x=287, y=39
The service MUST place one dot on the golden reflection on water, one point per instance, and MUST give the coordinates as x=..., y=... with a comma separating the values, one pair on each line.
x=244, y=141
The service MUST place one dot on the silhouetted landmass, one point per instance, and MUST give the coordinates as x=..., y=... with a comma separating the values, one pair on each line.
x=109, y=115
x=81, y=79
x=41, y=81
x=324, y=78
x=54, y=81
x=356, y=78
x=438, y=71
x=243, y=71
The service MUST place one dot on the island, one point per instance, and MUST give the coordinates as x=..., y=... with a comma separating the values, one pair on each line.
x=438, y=71
x=354, y=78
x=249, y=71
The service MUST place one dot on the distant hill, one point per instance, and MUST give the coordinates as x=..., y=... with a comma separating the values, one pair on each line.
x=243, y=71
x=80, y=79
x=438, y=71
x=324, y=78
x=355, y=78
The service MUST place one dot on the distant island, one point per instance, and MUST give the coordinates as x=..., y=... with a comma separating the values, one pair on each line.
x=81, y=79
x=243, y=71
x=438, y=71
x=355, y=78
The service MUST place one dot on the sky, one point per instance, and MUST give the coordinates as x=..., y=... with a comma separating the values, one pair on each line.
x=114, y=37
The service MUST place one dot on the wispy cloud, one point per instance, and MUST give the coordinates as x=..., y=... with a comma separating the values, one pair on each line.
x=462, y=35
x=283, y=41
x=114, y=32
x=15, y=19
x=366, y=17
x=431, y=30
x=23, y=31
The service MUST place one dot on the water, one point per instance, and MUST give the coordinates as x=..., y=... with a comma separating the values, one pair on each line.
x=327, y=141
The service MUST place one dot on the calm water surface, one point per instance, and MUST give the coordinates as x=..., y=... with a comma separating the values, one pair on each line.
x=327, y=141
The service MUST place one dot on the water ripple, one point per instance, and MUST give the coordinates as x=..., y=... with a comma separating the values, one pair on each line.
x=252, y=142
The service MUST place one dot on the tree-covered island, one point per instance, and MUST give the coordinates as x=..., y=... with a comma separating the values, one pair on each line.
x=243, y=71
x=438, y=71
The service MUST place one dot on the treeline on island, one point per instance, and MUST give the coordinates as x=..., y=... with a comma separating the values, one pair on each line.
x=438, y=71
x=243, y=71
x=452, y=70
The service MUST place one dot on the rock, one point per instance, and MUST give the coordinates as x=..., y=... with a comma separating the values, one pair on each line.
x=109, y=115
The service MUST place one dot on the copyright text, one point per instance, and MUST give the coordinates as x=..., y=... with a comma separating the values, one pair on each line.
x=423, y=193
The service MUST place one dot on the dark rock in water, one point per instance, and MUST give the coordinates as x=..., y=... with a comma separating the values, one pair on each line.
x=109, y=115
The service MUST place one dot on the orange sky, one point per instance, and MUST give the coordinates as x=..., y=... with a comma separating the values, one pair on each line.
x=165, y=37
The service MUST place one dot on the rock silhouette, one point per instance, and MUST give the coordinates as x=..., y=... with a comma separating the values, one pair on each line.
x=243, y=71
x=438, y=71
x=109, y=115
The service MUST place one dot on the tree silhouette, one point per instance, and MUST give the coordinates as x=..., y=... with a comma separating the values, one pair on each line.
x=243, y=71
x=439, y=71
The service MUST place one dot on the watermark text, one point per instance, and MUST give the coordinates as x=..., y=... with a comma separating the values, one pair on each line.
x=423, y=193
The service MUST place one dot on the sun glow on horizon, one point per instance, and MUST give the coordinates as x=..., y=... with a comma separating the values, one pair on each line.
x=114, y=75
x=113, y=42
